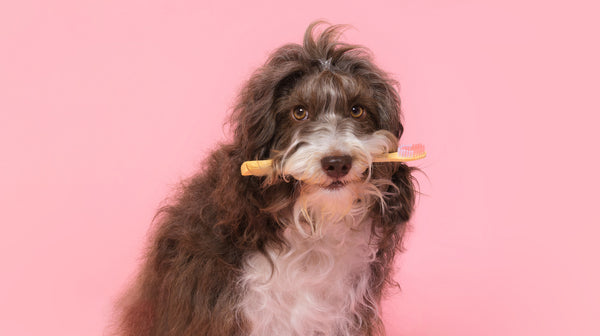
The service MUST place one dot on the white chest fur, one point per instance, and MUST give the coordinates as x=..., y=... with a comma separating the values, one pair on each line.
x=314, y=286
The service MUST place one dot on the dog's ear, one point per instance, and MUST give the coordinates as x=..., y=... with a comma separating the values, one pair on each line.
x=388, y=103
x=254, y=117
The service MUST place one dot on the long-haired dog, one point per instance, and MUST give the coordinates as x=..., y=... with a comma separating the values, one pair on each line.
x=307, y=250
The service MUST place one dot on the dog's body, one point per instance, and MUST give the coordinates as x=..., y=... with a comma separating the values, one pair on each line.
x=307, y=250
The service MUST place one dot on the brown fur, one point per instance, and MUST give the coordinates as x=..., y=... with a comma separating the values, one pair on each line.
x=188, y=282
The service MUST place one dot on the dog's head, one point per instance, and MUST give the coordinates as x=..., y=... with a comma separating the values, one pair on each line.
x=321, y=111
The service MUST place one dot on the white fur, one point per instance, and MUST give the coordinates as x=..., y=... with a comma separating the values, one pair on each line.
x=333, y=136
x=318, y=282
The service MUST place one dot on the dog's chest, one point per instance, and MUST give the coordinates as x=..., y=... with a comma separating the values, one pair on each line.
x=316, y=286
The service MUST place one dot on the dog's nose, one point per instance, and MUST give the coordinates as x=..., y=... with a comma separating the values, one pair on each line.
x=336, y=166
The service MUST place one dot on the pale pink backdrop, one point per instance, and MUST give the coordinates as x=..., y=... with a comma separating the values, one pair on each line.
x=106, y=105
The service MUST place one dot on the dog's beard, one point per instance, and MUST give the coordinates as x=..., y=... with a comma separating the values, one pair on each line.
x=325, y=199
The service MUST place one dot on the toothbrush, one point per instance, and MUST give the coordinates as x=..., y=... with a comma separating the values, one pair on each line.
x=405, y=153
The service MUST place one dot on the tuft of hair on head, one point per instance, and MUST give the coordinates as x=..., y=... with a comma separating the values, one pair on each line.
x=325, y=47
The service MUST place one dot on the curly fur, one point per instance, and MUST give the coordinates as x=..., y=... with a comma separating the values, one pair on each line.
x=226, y=247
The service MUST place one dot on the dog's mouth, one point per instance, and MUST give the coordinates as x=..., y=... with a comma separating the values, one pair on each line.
x=335, y=185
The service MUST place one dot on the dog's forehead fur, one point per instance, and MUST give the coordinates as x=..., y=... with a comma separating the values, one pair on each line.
x=328, y=92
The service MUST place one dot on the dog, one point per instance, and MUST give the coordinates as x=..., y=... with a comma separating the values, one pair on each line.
x=306, y=250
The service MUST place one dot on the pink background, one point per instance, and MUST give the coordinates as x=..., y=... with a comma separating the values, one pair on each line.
x=105, y=105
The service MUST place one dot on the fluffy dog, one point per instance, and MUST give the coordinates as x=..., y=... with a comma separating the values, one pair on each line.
x=307, y=250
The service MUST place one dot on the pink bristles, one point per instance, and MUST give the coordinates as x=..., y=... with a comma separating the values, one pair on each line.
x=409, y=151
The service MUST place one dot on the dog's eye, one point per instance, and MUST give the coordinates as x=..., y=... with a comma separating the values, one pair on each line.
x=357, y=111
x=300, y=113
